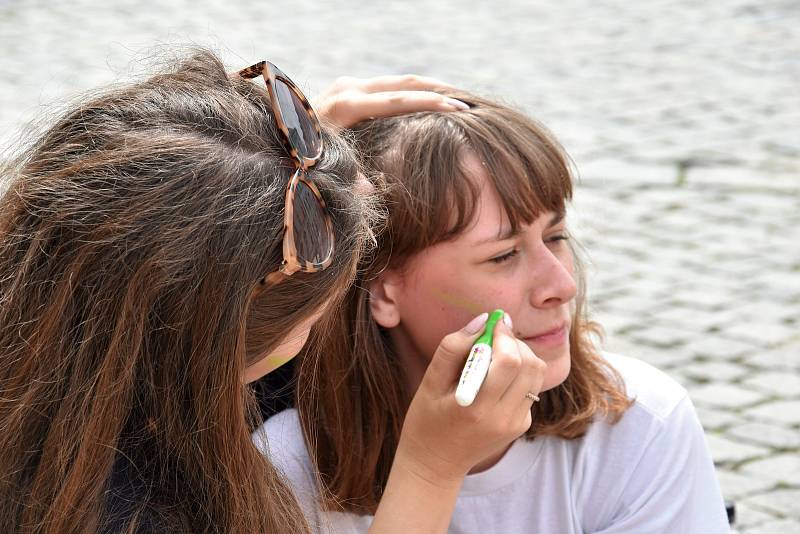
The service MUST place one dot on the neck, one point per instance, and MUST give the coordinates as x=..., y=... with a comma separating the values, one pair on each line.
x=413, y=362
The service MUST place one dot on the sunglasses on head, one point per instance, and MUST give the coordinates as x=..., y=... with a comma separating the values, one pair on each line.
x=308, y=238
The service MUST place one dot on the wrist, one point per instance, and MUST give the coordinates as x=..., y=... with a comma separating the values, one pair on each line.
x=428, y=467
x=415, y=500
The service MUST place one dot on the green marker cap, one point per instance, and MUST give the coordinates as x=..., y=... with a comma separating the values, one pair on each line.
x=488, y=332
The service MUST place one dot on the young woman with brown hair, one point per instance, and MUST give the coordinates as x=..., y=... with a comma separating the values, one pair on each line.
x=477, y=202
x=161, y=245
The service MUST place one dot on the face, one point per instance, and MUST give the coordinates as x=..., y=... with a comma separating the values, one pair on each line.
x=288, y=349
x=528, y=274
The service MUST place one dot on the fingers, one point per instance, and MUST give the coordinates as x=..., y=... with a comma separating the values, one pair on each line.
x=387, y=103
x=351, y=100
x=529, y=379
x=515, y=370
x=349, y=108
x=505, y=367
x=451, y=354
x=404, y=82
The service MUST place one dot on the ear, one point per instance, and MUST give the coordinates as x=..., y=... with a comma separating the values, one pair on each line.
x=383, y=294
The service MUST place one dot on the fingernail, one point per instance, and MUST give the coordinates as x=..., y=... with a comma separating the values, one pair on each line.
x=475, y=325
x=508, y=321
x=458, y=104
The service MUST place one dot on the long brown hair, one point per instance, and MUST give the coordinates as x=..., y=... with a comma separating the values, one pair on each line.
x=354, y=399
x=133, y=235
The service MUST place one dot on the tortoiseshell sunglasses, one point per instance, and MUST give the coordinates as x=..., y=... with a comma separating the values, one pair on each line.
x=307, y=228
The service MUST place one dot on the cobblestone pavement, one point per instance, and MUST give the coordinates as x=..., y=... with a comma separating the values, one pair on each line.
x=682, y=118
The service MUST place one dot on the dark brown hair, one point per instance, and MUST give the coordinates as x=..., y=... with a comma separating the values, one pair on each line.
x=133, y=235
x=354, y=399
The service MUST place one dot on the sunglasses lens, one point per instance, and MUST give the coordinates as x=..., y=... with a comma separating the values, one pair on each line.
x=302, y=134
x=312, y=240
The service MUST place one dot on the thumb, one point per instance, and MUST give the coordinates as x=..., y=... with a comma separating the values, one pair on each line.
x=450, y=355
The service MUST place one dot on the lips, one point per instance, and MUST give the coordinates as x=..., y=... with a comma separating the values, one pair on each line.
x=552, y=336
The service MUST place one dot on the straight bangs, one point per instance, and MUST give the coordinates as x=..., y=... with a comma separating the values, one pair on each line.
x=528, y=167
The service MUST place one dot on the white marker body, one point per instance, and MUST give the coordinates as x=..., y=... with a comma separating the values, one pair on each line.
x=473, y=374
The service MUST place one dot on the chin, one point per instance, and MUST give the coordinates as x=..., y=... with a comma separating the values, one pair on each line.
x=557, y=370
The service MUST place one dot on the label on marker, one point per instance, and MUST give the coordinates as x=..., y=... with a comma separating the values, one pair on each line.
x=473, y=374
x=480, y=356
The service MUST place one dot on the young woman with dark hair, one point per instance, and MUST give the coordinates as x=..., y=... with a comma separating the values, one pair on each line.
x=161, y=245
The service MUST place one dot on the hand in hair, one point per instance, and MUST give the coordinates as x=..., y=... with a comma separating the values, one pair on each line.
x=351, y=100
x=442, y=441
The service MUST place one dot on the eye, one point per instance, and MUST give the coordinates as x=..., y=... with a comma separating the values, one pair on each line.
x=558, y=237
x=504, y=257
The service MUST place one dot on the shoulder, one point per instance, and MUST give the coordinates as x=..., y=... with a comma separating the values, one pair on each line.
x=280, y=438
x=281, y=431
x=653, y=466
x=660, y=423
x=649, y=389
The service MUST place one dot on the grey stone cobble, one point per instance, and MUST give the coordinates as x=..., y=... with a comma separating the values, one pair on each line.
x=662, y=337
x=681, y=117
x=749, y=516
x=666, y=359
x=713, y=371
x=714, y=347
x=764, y=434
x=728, y=451
x=780, y=526
x=783, y=469
x=786, y=358
x=725, y=396
x=688, y=319
x=769, y=334
x=715, y=419
x=738, y=485
x=780, y=412
x=775, y=383
x=782, y=502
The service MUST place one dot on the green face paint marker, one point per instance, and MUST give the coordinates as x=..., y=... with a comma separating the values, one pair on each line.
x=480, y=356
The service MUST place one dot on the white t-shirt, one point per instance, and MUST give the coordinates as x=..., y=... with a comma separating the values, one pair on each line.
x=649, y=473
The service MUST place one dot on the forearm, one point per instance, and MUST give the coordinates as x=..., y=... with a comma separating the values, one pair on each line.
x=414, y=502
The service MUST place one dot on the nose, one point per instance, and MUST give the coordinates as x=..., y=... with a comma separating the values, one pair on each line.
x=553, y=278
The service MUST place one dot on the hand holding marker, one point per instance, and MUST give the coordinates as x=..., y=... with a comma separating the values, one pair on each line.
x=480, y=356
x=443, y=440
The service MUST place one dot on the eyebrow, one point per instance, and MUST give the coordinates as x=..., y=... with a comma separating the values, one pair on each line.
x=508, y=233
x=556, y=218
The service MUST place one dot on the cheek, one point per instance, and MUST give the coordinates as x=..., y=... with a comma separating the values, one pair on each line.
x=441, y=306
x=287, y=350
x=292, y=345
x=282, y=354
x=433, y=315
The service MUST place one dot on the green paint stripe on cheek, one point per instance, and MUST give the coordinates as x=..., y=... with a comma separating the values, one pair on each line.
x=276, y=360
x=459, y=302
